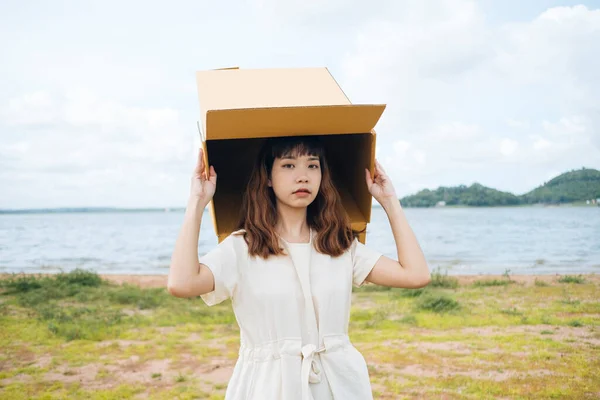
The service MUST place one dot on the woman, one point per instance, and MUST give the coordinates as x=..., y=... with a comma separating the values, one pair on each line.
x=289, y=270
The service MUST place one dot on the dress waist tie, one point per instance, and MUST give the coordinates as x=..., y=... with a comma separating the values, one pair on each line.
x=311, y=373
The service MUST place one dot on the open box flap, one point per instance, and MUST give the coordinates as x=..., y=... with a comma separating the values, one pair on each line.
x=291, y=121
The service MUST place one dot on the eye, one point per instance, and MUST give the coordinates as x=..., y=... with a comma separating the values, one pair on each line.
x=315, y=166
x=287, y=165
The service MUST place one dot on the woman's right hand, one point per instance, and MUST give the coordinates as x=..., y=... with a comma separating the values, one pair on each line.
x=204, y=183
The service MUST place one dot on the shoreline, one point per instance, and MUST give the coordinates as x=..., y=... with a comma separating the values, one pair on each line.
x=155, y=281
x=179, y=209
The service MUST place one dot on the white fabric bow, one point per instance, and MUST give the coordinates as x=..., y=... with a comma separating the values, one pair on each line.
x=311, y=373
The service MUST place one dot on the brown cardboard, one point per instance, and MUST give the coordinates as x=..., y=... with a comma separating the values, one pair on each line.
x=240, y=108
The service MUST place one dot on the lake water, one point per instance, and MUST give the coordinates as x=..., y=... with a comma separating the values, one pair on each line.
x=525, y=240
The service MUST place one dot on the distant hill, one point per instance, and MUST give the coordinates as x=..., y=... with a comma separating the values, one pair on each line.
x=569, y=187
x=474, y=195
x=577, y=185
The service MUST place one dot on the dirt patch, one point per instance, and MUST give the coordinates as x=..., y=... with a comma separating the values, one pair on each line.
x=195, y=338
x=121, y=343
x=455, y=347
x=158, y=373
x=85, y=374
x=17, y=355
x=416, y=370
x=165, y=329
x=559, y=332
x=131, y=312
x=364, y=304
x=19, y=378
x=504, y=375
x=145, y=281
x=218, y=373
x=43, y=361
x=525, y=280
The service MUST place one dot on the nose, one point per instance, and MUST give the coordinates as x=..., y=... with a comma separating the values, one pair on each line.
x=302, y=174
x=301, y=178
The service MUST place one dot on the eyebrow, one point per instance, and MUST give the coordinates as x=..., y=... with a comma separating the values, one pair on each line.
x=293, y=158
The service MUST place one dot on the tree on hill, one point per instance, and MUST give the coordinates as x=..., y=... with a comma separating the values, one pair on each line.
x=575, y=185
x=474, y=195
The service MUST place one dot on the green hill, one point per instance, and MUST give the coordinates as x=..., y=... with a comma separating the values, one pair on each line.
x=572, y=186
x=576, y=185
x=474, y=195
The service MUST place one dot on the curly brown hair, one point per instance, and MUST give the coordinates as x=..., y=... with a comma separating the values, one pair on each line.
x=326, y=214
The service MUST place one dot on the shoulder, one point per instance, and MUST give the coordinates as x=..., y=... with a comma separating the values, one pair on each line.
x=359, y=249
x=236, y=241
x=355, y=243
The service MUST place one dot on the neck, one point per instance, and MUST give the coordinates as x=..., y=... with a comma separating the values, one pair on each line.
x=291, y=222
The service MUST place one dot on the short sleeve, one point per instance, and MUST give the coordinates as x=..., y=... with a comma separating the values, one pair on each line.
x=223, y=261
x=363, y=261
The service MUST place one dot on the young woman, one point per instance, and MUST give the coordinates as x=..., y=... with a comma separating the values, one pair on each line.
x=289, y=271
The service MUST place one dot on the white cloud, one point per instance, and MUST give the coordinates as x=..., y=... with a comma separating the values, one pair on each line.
x=485, y=101
x=455, y=131
x=420, y=157
x=401, y=147
x=37, y=108
x=79, y=142
x=516, y=124
x=508, y=147
x=541, y=144
x=565, y=126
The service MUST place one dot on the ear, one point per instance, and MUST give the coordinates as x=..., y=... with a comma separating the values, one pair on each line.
x=269, y=183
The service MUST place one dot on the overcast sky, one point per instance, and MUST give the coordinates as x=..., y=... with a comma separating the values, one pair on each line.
x=98, y=105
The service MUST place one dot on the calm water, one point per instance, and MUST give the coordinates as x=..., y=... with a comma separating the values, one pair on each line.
x=460, y=240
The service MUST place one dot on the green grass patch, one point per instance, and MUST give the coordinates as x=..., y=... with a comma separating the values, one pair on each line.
x=492, y=282
x=437, y=302
x=439, y=280
x=579, y=279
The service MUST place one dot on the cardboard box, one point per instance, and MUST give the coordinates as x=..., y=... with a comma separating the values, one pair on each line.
x=239, y=108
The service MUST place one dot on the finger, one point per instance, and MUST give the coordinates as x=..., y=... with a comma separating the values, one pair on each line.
x=380, y=172
x=380, y=166
x=369, y=180
x=200, y=163
x=213, y=175
x=376, y=173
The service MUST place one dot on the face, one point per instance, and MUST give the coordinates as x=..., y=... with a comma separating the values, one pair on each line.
x=296, y=180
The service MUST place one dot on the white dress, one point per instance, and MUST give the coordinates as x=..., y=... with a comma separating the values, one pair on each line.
x=293, y=320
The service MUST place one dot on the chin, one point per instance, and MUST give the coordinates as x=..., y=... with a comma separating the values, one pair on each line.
x=299, y=203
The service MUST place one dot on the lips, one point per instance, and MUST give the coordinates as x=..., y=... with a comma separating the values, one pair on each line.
x=302, y=191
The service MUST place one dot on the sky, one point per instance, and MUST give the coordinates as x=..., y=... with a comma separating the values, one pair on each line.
x=98, y=106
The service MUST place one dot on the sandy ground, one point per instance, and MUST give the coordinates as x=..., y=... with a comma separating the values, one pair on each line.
x=152, y=281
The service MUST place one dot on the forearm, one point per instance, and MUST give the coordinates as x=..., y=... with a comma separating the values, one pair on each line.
x=184, y=260
x=410, y=255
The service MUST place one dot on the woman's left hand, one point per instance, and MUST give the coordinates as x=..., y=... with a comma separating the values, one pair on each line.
x=380, y=186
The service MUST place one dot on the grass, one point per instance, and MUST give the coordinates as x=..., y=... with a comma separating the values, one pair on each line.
x=437, y=302
x=439, y=280
x=76, y=336
x=572, y=279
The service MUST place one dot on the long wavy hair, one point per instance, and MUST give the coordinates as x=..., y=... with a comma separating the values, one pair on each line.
x=326, y=214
